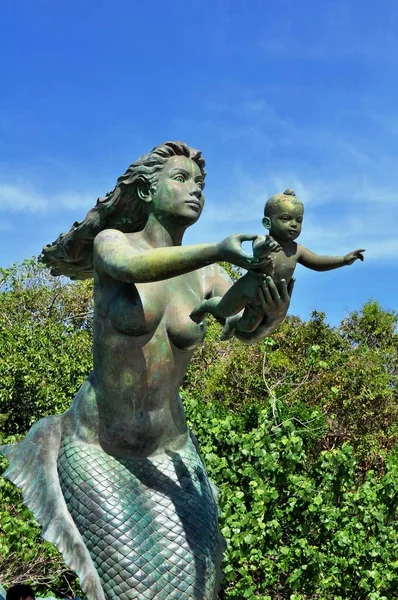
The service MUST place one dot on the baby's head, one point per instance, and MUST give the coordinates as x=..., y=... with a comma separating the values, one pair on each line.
x=283, y=216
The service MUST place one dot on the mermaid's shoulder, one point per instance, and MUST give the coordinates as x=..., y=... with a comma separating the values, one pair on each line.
x=33, y=468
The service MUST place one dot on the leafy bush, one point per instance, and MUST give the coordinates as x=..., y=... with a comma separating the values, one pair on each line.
x=297, y=528
x=45, y=354
x=24, y=555
x=298, y=432
x=45, y=343
x=347, y=372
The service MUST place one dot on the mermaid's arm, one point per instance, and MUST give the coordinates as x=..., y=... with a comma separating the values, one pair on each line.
x=115, y=256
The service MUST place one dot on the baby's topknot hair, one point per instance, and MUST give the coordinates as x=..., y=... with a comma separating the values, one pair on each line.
x=271, y=205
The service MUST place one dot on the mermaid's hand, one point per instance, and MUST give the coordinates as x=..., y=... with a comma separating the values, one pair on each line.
x=230, y=250
x=275, y=304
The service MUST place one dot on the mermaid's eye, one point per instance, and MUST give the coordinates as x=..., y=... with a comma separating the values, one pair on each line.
x=179, y=178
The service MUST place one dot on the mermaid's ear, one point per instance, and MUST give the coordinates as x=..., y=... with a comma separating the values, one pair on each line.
x=144, y=191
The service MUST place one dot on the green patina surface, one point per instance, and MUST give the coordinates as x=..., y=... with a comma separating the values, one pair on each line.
x=280, y=254
x=140, y=520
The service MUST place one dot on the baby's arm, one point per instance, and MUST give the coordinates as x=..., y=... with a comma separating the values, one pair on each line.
x=326, y=263
x=263, y=245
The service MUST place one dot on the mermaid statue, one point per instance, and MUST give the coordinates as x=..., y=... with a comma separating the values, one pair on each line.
x=117, y=482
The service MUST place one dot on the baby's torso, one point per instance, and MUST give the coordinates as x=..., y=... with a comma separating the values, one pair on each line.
x=284, y=263
x=280, y=266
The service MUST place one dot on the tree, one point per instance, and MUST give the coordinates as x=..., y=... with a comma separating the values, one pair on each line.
x=349, y=373
x=45, y=354
x=45, y=343
x=298, y=432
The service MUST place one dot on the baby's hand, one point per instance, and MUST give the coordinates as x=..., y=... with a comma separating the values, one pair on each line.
x=353, y=256
x=264, y=245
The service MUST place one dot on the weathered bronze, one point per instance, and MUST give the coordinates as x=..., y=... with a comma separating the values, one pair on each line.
x=279, y=253
x=117, y=482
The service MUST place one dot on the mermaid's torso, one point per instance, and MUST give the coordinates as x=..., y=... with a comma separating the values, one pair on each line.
x=143, y=342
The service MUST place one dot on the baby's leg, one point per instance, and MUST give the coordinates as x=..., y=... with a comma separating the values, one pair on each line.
x=229, y=328
x=231, y=303
x=249, y=321
x=234, y=299
x=205, y=307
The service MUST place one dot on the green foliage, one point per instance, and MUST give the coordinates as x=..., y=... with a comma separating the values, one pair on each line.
x=29, y=293
x=45, y=343
x=233, y=271
x=298, y=432
x=297, y=528
x=45, y=354
x=24, y=556
x=347, y=372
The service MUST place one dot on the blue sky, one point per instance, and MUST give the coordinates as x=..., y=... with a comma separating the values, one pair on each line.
x=276, y=94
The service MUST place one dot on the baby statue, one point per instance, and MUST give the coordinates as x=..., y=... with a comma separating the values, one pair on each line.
x=279, y=254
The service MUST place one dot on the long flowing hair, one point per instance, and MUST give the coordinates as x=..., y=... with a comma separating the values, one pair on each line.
x=72, y=253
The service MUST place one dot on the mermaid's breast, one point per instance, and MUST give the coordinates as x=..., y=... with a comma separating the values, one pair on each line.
x=150, y=525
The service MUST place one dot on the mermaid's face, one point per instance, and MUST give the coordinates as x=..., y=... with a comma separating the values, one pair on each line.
x=179, y=191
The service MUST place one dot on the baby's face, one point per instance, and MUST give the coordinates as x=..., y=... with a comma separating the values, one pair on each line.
x=287, y=221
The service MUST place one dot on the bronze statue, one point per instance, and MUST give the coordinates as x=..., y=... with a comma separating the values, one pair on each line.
x=283, y=217
x=117, y=482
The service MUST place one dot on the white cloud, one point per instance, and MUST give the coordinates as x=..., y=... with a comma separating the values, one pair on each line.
x=23, y=197
x=17, y=198
x=74, y=200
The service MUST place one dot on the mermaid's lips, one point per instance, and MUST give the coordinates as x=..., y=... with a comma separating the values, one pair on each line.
x=195, y=204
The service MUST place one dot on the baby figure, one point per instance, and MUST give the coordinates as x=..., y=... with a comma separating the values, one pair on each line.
x=278, y=254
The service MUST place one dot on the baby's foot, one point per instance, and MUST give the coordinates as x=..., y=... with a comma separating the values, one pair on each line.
x=227, y=332
x=198, y=314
